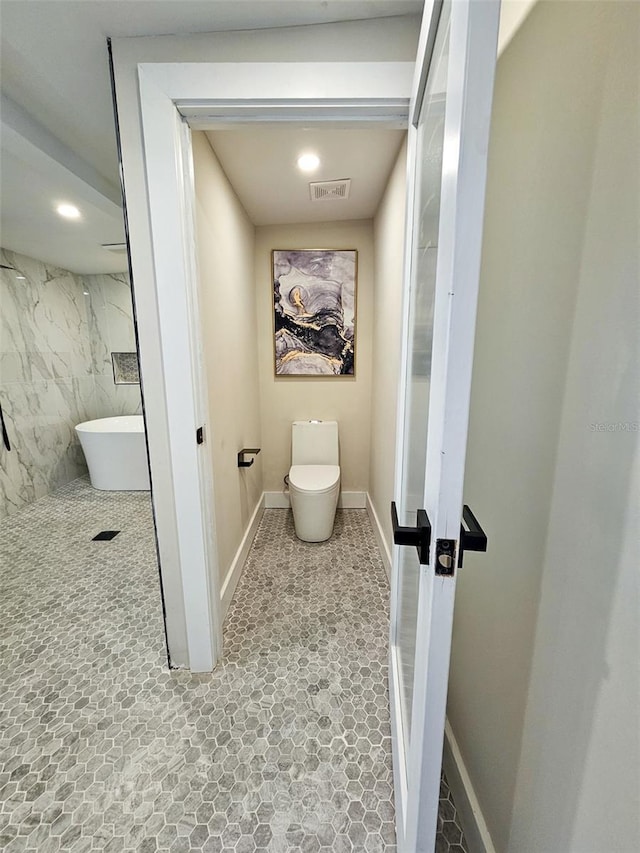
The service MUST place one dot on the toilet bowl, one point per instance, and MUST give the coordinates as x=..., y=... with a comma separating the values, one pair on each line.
x=314, y=478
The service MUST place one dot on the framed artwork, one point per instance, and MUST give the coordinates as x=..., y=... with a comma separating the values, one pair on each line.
x=314, y=310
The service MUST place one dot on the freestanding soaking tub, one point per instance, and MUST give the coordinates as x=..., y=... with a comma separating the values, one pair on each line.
x=116, y=453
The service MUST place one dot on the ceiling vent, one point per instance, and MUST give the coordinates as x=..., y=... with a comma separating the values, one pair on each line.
x=330, y=190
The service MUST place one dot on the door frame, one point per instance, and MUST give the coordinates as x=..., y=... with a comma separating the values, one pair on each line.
x=171, y=97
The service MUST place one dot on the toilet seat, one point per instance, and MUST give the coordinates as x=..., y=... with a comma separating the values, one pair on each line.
x=314, y=479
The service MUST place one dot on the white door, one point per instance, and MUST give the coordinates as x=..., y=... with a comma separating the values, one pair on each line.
x=450, y=116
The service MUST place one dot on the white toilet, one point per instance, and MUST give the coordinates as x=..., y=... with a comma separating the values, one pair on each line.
x=314, y=478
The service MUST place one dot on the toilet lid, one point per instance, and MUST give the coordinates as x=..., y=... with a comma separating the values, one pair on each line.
x=314, y=478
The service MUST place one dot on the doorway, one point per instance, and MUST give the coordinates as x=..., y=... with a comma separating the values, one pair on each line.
x=166, y=143
x=176, y=397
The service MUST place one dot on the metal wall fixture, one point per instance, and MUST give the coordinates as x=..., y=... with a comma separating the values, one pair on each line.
x=247, y=451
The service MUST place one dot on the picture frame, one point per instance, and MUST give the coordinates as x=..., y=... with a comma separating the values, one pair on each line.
x=314, y=312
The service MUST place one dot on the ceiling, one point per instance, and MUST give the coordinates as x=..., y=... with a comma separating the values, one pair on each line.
x=261, y=166
x=58, y=142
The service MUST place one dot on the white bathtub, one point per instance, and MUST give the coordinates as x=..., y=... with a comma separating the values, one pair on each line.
x=116, y=453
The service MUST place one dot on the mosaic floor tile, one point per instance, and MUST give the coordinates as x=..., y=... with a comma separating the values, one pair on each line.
x=286, y=747
x=450, y=835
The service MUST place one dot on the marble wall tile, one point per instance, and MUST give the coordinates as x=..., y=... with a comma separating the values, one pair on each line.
x=111, y=330
x=14, y=366
x=84, y=390
x=45, y=452
x=57, y=332
x=112, y=399
x=110, y=318
x=98, y=325
x=43, y=319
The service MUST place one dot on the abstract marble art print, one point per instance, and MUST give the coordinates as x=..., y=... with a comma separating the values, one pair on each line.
x=314, y=301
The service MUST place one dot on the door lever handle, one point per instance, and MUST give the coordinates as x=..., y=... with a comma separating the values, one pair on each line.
x=418, y=536
x=472, y=536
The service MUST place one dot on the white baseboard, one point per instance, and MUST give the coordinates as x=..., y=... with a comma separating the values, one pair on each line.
x=233, y=575
x=471, y=817
x=276, y=500
x=352, y=500
x=382, y=542
x=347, y=500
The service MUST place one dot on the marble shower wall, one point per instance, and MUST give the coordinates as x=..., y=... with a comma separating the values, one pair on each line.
x=111, y=330
x=57, y=331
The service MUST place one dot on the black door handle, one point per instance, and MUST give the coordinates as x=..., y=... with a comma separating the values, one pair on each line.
x=418, y=536
x=472, y=536
x=5, y=434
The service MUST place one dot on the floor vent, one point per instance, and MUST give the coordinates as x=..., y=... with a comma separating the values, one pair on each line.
x=105, y=535
x=330, y=190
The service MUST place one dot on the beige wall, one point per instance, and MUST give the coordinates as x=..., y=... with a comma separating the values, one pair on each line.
x=578, y=784
x=556, y=348
x=226, y=240
x=347, y=400
x=388, y=230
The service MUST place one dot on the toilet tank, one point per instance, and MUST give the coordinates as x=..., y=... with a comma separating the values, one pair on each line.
x=314, y=443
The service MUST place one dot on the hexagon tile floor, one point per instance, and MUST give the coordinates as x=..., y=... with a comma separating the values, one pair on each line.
x=284, y=748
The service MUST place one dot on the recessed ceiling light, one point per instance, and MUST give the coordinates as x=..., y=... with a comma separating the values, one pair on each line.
x=21, y=277
x=308, y=162
x=69, y=211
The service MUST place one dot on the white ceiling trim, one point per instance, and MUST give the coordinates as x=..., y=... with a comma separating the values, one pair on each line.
x=224, y=116
x=306, y=83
